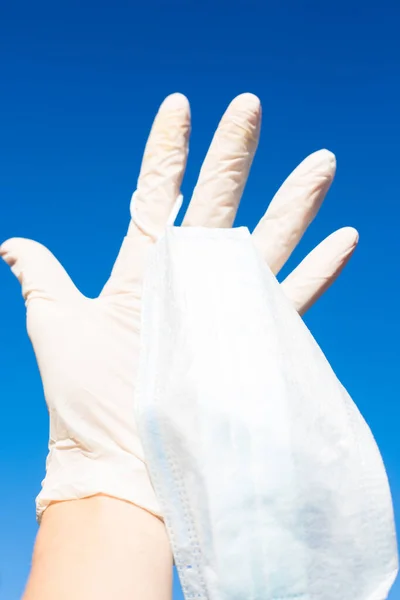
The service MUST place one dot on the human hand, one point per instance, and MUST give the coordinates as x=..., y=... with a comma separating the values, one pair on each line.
x=87, y=349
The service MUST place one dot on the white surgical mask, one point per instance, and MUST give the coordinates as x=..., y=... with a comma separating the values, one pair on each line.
x=270, y=482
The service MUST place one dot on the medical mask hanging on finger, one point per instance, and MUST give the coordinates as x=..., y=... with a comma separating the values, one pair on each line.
x=269, y=480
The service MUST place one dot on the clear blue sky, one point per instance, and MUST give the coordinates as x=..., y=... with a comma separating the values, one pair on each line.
x=80, y=84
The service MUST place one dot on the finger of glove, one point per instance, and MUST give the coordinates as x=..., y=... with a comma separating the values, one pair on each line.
x=163, y=164
x=293, y=208
x=226, y=167
x=316, y=273
x=40, y=274
x=158, y=188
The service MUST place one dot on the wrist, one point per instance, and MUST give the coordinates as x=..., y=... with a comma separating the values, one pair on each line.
x=101, y=548
x=73, y=475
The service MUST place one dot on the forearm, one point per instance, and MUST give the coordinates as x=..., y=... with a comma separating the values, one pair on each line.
x=100, y=548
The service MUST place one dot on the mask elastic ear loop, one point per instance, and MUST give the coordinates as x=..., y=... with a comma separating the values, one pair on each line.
x=175, y=211
x=149, y=231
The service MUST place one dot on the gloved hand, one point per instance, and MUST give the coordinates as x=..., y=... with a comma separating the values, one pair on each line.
x=87, y=349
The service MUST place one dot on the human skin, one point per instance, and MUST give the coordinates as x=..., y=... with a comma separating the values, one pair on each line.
x=100, y=548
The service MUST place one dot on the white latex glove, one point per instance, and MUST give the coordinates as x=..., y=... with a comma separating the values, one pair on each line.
x=87, y=349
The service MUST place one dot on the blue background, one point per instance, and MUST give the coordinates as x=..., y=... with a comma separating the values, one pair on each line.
x=80, y=84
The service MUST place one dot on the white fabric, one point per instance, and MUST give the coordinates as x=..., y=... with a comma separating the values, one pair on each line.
x=270, y=481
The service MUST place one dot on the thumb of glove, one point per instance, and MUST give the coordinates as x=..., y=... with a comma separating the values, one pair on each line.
x=40, y=274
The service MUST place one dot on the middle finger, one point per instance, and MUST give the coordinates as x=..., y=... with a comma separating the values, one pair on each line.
x=226, y=167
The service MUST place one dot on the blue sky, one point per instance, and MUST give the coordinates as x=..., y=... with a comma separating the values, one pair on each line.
x=80, y=84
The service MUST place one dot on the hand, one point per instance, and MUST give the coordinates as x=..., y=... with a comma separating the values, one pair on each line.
x=87, y=349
